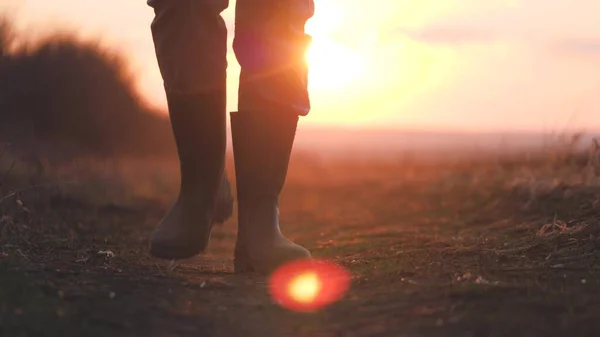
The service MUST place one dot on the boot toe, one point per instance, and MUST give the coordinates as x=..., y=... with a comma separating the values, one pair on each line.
x=175, y=238
x=266, y=262
x=169, y=247
x=283, y=256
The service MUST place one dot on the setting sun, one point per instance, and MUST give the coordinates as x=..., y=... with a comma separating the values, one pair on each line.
x=350, y=60
x=332, y=64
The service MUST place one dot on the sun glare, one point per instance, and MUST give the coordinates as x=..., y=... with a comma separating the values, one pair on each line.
x=361, y=69
x=332, y=64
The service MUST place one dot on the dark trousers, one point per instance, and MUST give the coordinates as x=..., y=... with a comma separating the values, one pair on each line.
x=190, y=39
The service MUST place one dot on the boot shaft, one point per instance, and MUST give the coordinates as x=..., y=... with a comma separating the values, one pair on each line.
x=198, y=121
x=262, y=145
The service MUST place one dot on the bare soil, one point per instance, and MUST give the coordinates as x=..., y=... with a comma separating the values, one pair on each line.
x=457, y=249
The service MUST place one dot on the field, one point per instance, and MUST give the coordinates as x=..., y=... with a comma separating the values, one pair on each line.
x=471, y=247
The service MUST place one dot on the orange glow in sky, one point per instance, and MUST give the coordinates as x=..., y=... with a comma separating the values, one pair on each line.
x=446, y=64
x=307, y=285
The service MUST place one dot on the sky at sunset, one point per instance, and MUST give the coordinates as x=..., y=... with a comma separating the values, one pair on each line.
x=450, y=64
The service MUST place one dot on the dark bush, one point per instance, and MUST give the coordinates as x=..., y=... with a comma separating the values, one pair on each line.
x=77, y=97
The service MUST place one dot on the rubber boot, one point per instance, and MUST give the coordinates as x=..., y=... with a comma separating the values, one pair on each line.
x=199, y=126
x=262, y=144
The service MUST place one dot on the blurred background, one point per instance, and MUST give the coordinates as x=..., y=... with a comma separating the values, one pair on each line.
x=393, y=74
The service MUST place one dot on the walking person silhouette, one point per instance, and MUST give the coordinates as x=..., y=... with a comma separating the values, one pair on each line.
x=190, y=39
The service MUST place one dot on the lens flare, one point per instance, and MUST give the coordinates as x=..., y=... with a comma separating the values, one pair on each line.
x=308, y=285
x=305, y=287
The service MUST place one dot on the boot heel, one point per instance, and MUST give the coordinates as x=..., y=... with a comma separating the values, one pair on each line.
x=242, y=264
x=223, y=212
x=224, y=204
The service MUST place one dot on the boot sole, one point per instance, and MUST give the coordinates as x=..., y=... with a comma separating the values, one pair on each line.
x=242, y=265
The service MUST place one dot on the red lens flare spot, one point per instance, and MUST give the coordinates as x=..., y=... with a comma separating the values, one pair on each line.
x=308, y=285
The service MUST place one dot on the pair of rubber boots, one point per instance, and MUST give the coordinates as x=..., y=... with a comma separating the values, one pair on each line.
x=262, y=143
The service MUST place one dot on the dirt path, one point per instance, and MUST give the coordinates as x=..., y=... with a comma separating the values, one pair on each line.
x=442, y=251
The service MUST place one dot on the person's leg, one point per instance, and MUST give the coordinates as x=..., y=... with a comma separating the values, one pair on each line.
x=190, y=40
x=270, y=45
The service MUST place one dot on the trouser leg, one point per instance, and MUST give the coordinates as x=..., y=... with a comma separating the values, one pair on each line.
x=270, y=46
x=190, y=40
